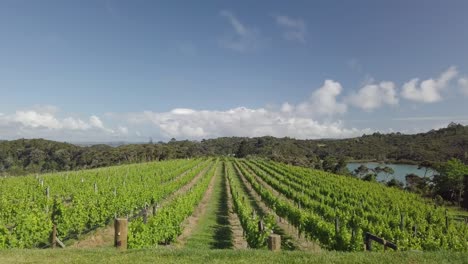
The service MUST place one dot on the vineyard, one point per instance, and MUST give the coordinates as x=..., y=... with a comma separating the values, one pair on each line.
x=222, y=203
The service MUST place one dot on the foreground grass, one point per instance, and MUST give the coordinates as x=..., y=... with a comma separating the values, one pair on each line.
x=165, y=255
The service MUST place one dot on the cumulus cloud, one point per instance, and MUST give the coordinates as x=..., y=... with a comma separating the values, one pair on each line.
x=123, y=130
x=45, y=122
x=373, y=96
x=293, y=29
x=463, y=83
x=300, y=121
x=324, y=101
x=96, y=122
x=240, y=121
x=428, y=91
x=243, y=38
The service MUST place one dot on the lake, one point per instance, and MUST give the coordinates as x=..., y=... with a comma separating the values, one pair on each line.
x=401, y=170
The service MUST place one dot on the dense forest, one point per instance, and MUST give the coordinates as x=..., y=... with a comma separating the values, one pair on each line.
x=38, y=155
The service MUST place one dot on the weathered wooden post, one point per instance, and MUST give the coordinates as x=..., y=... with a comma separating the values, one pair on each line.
x=145, y=213
x=121, y=231
x=95, y=188
x=53, y=237
x=155, y=208
x=261, y=226
x=274, y=242
x=367, y=242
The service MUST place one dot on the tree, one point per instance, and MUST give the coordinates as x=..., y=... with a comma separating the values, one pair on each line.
x=449, y=182
x=370, y=177
x=361, y=171
x=395, y=183
x=341, y=167
x=416, y=184
x=329, y=163
x=244, y=149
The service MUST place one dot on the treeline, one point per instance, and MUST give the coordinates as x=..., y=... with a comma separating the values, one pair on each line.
x=38, y=155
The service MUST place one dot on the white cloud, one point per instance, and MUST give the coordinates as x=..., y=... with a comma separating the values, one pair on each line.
x=45, y=122
x=240, y=121
x=96, y=122
x=373, y=96
x=300, y=121
x=429, y=91
x=287, y=108
x=123, y=130
x=243, y=38
x=463, y=83
x=323, y=101
x=75, y=124
x=293, y=29
x=35, y=119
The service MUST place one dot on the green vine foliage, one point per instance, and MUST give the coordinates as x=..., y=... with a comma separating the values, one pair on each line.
x=337, y=211
x=84, y=200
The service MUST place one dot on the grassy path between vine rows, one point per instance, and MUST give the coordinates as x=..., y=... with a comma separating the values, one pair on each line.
x=104, y=237
x=195, y=222
x=287, y=230
x=181, y=256
x=237, y=231
x=212, y=230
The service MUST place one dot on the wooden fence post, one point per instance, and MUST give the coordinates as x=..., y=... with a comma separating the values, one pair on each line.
x=121, y=231
x=367, y=242
x=155, y=208
x=145, y=215
x=274, y=242
x=53, y=237
x=261, y=226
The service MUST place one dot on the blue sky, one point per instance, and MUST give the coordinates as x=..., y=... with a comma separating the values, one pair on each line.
x=129, y=70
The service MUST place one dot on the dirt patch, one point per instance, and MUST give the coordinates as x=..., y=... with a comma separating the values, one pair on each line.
x=103, y=237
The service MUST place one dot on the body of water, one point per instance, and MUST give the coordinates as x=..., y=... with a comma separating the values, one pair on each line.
x=401, y=170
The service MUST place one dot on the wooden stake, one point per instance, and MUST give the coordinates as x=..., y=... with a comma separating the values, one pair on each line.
x=53, y=237
x=274, y=242
x=121, y=231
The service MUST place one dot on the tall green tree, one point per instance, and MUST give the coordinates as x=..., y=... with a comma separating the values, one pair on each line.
x=449, y=182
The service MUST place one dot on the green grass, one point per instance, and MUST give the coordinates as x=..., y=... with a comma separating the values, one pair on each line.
x=212, y=230
x=164, y=255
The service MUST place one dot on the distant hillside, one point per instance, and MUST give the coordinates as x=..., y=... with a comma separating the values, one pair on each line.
x=39, y=155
